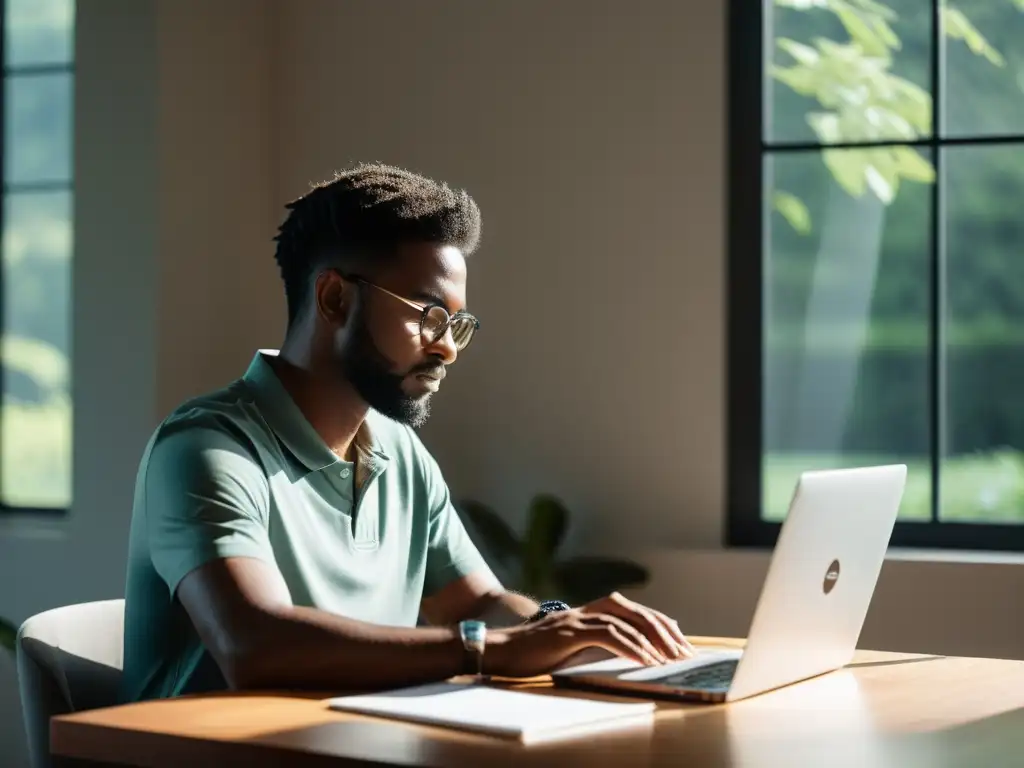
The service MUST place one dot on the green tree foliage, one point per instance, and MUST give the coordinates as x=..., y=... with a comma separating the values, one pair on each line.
x=861, y=99
x=860, y=70
x=981, y=225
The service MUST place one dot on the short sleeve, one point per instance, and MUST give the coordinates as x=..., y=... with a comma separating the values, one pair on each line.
x=205, y=498
x=451, y=554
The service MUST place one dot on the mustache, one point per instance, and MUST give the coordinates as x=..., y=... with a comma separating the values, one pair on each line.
x=430, y=369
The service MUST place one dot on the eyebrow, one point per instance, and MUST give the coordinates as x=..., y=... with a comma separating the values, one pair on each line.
x=431, y=298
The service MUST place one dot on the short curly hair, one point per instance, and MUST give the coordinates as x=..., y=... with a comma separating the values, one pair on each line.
x=364, y=213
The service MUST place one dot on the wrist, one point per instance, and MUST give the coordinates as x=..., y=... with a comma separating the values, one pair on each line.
x=473, y=635
x=546, y=608
x=495, y=655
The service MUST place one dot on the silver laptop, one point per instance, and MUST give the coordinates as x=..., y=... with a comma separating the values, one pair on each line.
x=813, y=602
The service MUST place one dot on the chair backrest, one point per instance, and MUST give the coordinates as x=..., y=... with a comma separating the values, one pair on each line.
x=69, y=659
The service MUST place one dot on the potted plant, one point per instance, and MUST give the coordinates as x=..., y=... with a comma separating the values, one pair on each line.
x=532, y=561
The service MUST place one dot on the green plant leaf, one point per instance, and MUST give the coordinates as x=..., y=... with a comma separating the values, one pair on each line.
x=847, y=166
x=957, y=26
x=860, y=31
x=882, y=185
x=915, y=105
x=804, y=81
x=582, y=579
x=498, y=537
x=8, y=635
x=912, y=165
x=876, y=9
x=548, y=521
x=826, y=126
x=885, y=32
x=793, y=210
x=804, y=54
x=881, y=175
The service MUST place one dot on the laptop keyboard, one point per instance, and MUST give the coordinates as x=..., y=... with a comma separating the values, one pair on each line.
x=717, y=675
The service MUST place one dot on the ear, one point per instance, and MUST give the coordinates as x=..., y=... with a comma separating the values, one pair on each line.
x=333, y=296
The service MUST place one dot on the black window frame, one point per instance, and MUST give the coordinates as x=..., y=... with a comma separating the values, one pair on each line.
x=746, y=151
x=16, y=188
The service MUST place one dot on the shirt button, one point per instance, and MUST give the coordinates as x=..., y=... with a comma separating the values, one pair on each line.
x=344, y=474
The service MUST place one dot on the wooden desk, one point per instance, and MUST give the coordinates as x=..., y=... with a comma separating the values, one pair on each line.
x=885, y=709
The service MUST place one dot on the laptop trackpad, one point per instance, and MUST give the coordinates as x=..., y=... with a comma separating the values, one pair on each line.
x=624, y=669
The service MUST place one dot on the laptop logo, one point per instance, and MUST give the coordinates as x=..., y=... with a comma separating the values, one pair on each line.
x=831, y=577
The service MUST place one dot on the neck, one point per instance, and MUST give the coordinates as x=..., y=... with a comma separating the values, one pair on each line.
x=325, y=397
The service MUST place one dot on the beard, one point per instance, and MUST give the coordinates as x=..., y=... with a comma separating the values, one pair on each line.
x=370, y=373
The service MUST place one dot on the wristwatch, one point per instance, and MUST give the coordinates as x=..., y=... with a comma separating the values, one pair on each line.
x=474, y=639
x=546, y=608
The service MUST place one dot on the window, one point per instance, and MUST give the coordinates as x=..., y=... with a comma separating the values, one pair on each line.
x=876, y=259
x=35, y=279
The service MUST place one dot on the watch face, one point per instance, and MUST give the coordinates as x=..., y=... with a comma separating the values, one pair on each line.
x=473, y=633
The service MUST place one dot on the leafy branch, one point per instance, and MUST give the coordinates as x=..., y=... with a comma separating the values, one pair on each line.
x=863, y=101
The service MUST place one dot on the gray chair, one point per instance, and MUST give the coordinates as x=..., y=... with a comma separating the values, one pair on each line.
x=69, y=660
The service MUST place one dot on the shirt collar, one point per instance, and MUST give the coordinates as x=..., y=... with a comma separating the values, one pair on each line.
x=291, y=427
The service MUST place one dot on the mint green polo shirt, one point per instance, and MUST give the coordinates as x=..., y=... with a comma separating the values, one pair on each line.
x=241, y=473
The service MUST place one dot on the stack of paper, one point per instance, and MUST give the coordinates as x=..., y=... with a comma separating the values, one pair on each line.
x=528, y=717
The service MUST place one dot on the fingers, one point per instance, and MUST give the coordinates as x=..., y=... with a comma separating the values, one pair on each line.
x=659, y=628
x=622, y=643
x=677, y=634
x=624, y=639
x=670, y=628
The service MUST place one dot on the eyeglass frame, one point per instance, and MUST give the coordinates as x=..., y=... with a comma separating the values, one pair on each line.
x=424, y=310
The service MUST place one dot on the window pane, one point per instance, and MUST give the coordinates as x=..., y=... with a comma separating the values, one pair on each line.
x=39, y=122
x=38, y=32
x=982, y=473
x=846, y=323
x=35, y=424
x=847, y=71
x=984, y=86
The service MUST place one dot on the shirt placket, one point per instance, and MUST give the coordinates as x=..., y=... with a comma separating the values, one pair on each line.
x=366, y=509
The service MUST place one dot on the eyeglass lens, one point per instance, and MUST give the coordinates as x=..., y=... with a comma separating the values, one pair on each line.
x=435, y=323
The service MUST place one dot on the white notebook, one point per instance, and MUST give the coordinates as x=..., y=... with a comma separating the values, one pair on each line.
x=527, y=717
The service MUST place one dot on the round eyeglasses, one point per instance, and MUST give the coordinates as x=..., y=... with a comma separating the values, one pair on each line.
x=435, y=321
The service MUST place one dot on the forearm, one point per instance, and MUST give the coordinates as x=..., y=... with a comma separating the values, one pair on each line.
x=506, y=609
x=306, y=648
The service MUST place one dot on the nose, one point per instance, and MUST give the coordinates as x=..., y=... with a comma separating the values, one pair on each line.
x=445, y=348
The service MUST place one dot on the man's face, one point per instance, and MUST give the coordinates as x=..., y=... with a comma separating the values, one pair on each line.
x=382, y=352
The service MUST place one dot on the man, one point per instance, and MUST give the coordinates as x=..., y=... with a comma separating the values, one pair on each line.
x=289, y=530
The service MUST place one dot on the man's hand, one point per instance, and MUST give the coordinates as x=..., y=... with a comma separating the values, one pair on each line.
x=614, y=624
x=658, y=628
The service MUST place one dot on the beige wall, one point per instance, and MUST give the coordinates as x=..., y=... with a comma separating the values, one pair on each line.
x=593, y=135
x=219, y=294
